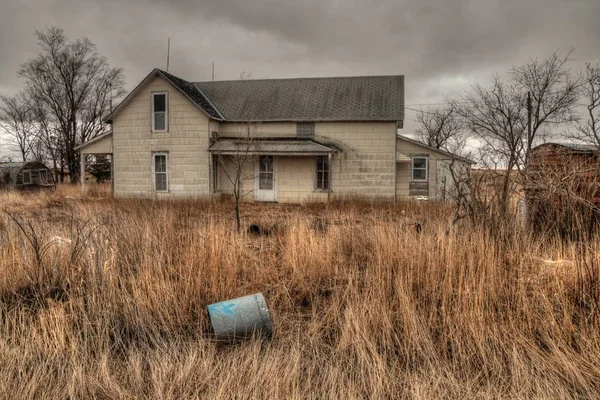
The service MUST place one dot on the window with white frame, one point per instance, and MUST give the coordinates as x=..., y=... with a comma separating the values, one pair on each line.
x=160, y=115
x=420, y=167
x=27, y=178
x=43, y=175
x=161, y=172
x=323, y=173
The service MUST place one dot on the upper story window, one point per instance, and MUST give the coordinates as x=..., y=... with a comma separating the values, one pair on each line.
x=323, y=173
x=305, y=129
x=420, y=167
x=160, y=114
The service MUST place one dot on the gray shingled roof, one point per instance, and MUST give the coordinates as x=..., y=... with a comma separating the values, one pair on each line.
x=192, y=93
x=366, y=98
x=270, y=146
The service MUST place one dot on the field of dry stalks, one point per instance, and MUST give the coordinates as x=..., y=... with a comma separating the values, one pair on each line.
x=106, y=298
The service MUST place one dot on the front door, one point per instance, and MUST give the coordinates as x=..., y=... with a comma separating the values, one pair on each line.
x=265, y=182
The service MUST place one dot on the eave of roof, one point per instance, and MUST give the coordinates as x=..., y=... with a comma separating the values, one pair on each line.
x=94, y=140
x=189, y=90
x=453, y=156
x=305, y=147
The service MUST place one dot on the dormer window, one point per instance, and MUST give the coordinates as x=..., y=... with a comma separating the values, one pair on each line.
x=160, y=116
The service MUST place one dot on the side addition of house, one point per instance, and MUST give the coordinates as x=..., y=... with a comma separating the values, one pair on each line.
x=306, y=139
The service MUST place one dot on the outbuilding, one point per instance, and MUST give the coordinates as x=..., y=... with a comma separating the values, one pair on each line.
x=25, y=176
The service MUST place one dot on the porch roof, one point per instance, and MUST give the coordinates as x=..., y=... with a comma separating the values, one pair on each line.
x=402, y=158
x=293, y=147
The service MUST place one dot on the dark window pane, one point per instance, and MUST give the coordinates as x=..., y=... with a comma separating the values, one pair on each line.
x=159, y=121
x=419, y=163
x=160, y=163
x=161, y=181
x=419, y=174
x=265, y=181
x=160, y=102
x=322, y=173
x=305, y=129
x=266, y=163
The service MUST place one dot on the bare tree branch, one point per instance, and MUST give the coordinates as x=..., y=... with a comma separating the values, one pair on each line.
x=71, y=85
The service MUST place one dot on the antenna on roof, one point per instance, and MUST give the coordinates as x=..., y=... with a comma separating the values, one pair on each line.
x=213, y=71
x=168, y=52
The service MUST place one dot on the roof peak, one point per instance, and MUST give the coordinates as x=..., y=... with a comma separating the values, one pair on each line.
x=303, y=78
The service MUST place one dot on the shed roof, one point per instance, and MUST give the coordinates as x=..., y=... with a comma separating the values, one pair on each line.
x=94, y=140
x=586, y=148
x=440, y=151
x=271, y=146
x=360, y=98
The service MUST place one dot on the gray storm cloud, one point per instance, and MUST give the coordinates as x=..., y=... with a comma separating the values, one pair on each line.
x=441, y=46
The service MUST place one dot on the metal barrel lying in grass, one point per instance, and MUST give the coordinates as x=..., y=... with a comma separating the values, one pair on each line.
x=240, y=318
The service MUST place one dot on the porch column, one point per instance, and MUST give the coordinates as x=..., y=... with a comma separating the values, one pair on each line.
x=82, y=171
x=329, y=173
x=112, y=175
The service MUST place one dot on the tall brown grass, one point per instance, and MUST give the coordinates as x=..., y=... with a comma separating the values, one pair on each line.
x=106, y=298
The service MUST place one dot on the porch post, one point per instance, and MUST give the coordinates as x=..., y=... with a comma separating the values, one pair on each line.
x=112, y=175
x=329, y=172
x=82, y=171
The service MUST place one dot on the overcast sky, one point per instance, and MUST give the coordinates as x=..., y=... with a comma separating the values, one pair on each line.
x=441, y=46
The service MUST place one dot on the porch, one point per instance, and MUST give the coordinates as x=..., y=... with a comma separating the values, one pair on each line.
x=101, y=145
x=273, y=170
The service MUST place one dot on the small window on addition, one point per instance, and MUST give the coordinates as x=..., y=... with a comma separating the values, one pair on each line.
x=419, y=169
x=323, y=173
x=160, y=115
x=305, y=130
x=43, y=176
x=27, y=178
x=161, y=172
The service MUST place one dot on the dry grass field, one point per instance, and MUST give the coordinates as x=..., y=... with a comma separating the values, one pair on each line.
x=104, y=298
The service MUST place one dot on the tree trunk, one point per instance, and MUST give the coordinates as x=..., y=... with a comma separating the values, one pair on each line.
x=238, y=222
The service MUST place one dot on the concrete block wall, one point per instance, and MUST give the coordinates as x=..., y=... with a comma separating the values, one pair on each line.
x=364, y=167
x=367, y=161
x=186, y=142
x=296, y=180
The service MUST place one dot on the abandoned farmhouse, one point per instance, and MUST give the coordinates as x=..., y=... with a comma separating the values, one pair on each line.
x=308, y=139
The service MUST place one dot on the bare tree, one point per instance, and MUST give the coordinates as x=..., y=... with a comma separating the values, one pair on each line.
x=554, y=93
x=441, y=128
x=497, y=116
x=238, y=165
x=588, y=130
x=73, y=85
x=16, y=119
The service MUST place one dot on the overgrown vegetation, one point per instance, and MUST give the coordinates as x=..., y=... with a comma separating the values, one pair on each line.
x=106, y=298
